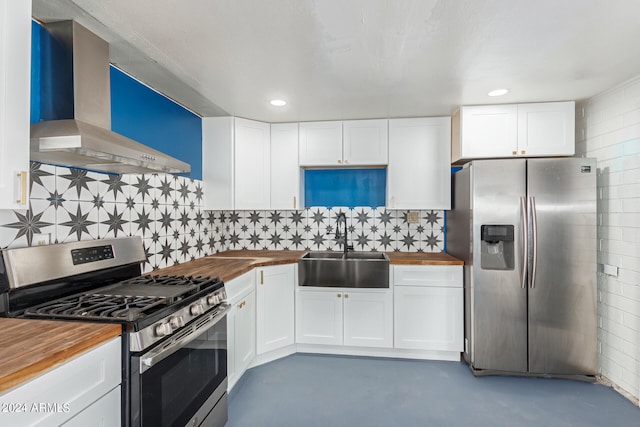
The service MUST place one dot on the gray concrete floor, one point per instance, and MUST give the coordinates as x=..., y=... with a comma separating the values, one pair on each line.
x=317, y=390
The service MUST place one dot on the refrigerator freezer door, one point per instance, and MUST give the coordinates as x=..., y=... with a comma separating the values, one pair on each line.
x=562, y=298
x=498, y=301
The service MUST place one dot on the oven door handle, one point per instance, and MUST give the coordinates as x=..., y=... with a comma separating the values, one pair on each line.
x=190, y=333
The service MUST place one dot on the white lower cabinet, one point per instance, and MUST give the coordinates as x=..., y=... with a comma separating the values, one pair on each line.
x=340, y=316
x=82, y=391
x=103, y=413
x=319, y=317
x=275, y=307
x=368, y=319
x=241, y=326
x=428, y=308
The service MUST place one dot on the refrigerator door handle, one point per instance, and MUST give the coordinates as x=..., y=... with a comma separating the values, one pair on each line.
x=534, y=238
x=525, y=244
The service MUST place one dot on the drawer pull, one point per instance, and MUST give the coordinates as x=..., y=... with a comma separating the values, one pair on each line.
x=23, y=188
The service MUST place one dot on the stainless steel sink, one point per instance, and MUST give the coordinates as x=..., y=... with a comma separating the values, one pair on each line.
x=335, y=269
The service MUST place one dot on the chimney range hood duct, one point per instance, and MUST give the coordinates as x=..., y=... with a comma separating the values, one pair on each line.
x=77, y=127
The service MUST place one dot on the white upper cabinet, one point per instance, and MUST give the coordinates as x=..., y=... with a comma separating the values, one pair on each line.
x=489, y=131
x=252, y=165
x=517, y=130
x=236, y=163
x=365, y=142
x=285, y=172
x=419, y=171
x=321, y=144
x=217, y=162
x=547, y=129
x=348, y=143
x=15, y=73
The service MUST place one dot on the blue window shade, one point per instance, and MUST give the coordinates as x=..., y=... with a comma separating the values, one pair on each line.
x=144, y=115
x=345, y=187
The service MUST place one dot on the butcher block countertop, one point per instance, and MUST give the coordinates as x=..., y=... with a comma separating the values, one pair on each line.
x=231, y=264
x=29, y=347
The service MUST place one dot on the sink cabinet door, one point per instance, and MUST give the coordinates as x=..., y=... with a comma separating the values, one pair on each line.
x=275, y=307
x=368, y=319
x=319, y=317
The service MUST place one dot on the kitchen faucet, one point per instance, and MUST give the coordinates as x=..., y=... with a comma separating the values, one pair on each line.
x=341, y=217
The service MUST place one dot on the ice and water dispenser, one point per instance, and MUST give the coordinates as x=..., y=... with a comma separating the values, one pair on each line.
x=496, y=247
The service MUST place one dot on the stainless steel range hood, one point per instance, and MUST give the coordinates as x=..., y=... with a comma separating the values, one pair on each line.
x=77, y=110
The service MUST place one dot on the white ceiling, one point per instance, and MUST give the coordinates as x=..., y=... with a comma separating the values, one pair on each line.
x=351, y=59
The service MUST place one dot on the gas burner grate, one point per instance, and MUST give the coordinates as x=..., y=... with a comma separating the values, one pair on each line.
x=97, y=306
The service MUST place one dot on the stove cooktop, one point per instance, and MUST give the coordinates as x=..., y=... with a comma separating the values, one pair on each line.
x=128, y=301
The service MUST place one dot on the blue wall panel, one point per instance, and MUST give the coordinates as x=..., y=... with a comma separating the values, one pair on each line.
x=35, y=71
x=140, y=113
x=345, y=187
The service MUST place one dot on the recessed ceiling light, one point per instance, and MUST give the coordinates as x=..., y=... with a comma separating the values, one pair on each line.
x=278, y=102
x=498, y=92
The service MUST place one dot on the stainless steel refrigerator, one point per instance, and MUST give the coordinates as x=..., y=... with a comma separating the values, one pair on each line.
x=526, y=230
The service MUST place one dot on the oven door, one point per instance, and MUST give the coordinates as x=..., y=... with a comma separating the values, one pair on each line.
x=183, y=380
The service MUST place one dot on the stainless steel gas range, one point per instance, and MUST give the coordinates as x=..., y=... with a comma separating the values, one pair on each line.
x=174, y=327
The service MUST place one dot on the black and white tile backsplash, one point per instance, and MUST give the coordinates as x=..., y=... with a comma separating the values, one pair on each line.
x=68, y=204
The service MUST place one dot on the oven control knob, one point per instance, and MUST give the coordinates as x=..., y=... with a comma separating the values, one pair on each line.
x=176, y=322
x=212, y=299
x=163, y=329
x=196, y=309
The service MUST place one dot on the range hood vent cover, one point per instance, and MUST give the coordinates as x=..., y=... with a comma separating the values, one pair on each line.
x=77, y=127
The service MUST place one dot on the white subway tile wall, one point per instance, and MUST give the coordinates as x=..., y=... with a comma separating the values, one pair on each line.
x=608, y=128
x=68, y=204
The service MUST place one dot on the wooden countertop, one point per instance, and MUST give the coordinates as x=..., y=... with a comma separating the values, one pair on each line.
x=231, y=264
x=423, y=258
x=30, y=347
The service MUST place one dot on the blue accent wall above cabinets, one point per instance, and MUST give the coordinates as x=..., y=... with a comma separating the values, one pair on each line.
x=144, y=115
x=345, y=187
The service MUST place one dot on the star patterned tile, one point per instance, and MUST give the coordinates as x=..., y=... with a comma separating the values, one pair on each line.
x=113, y=188
x=73, y=204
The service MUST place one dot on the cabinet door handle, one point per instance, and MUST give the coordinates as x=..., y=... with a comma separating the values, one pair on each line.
x=514, y=153
x=241, y=304
x=346, y=162
x=346, y=295
x=262, y=277
x=295, y=204
x=523, y=152
x=23, y=188
x=339, y=295
x=339, y=162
